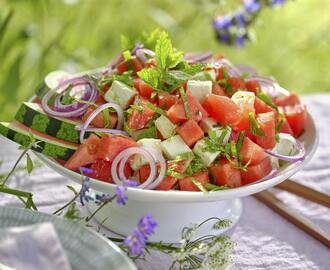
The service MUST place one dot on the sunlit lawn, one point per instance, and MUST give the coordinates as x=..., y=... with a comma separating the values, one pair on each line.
x=292, y=42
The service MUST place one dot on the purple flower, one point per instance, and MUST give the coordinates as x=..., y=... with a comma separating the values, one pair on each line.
x=222, y=22
x=131, y=183
x=86, y=170
x=135, y=243
x=147, y=225
x=240, y=40
x=240, y=18
x=84, y=197
x=277, y=2
x=252, y=6
x=102, y=198
x=223, y=37
x=121, y=196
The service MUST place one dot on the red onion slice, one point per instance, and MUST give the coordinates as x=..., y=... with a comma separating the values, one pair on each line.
x=162, y=170
x=90, y=118
x=232, y=70
x=198, y=57
x=269, y=86
x=299, y=156
x=141, y=54
x=73, y=110
x=122, y=158
x=246, y=69
x=105, y=130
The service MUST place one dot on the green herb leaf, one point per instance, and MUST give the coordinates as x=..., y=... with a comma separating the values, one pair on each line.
x=151, y=77
x=185, y=103
x=255, y=128
x=212, y=187
x=267, y=99
x=155, y=109
x=29, y=164
x=125, y=78
x=165, y=56
x=106, y=118
x=196, y=165
x=198, y=184
x=67, y=98
x=126, y=43
x=127, y=55
x=240, y=141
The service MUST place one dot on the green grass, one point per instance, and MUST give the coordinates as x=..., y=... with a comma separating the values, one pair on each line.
x=292, y=42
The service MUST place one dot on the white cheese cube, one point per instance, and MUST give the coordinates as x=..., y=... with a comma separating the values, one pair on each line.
x=138, y=160
x=207, y=123
x=174, y=147
x=205, y=76
x=165, y=126
x=206, y=157
x=242, y=98
x=199, y=89
x=286, y=146
x=220, y=130
x=120, y=93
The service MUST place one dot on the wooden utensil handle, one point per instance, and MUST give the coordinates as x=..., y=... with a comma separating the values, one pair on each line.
x=303, y=223
x=305, y=192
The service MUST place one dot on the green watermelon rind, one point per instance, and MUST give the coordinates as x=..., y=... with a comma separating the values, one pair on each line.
x=33, y=116
x=46, y=146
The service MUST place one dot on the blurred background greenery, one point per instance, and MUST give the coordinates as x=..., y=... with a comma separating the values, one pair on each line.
x=292, y=42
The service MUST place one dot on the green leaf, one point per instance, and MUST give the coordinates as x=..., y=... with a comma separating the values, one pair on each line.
x=127, y=55
x=67, y=99
x=29, y=163
x=72, y=189
x=156, y=109
x=267, y=99
x=165, y=56
x=163, y=51
x=150, y=39
x=240, y=141
x=106, y=117
x=185, y=103
x=4, y=24
x=198, y=184
x=125, y=78
x=150, y=76
x=255, y=128
x=212, y=187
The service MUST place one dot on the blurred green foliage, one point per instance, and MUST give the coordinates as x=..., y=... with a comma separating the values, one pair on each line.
x=292, y=42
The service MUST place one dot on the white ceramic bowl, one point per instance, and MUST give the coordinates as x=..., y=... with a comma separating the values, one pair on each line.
x=175, y=209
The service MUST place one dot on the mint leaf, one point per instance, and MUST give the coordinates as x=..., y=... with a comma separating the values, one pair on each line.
x=150, y=39
x=127, y=55
x=165, y=56
x=150, y=76
x=185, y=103
x=125, y=78
x=126, y=43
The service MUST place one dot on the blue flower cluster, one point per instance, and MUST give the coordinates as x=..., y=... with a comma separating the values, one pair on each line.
x=136, y=242
x=232, y=28
x=99, y=198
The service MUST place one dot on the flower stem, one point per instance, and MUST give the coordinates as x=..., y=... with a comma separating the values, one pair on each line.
x=66, y=205
x=100, y=207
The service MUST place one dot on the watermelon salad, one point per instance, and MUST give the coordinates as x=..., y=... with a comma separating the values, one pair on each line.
x=165, y=120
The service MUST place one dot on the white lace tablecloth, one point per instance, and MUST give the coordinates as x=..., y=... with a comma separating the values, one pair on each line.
x=264, y=239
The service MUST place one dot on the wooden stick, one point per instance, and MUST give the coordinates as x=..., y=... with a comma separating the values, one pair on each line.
x=305, y=192
x=303, y=223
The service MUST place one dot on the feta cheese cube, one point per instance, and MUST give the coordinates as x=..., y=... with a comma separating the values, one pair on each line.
x=199, y=89
x=219, y=130
x=138, y=161
x=242, y=98
x=206, y=157
x=207, y=123
x=120, y=93
x=165, y=126
x=174, y=146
